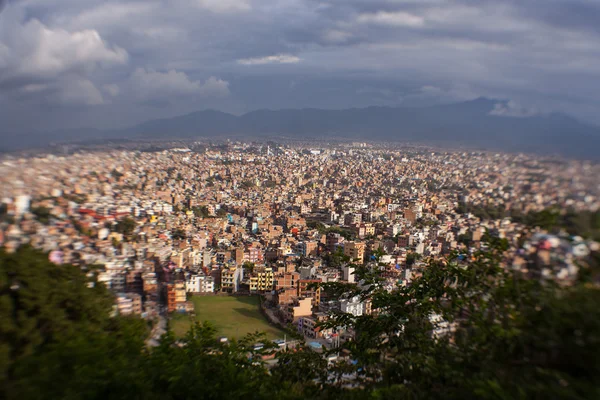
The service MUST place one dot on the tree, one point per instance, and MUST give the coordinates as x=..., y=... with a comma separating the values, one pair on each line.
x=116, y=174
x=42, y=304
x=179, y=234
x=200, y=211
x=42, y=214
x=512, y=337
x=411, y=258
x=248, y=266
x=126, y=226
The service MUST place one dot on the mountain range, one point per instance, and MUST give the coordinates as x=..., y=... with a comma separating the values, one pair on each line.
x=476, y=124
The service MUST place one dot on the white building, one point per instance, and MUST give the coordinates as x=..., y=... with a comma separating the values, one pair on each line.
x=348, y=273
x=197, y=283
x=352, y=306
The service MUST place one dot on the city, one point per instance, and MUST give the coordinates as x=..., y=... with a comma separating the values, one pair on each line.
x=164, y=229
x=299, y=199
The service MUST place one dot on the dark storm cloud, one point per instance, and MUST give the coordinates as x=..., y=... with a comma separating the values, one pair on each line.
x=136, y=59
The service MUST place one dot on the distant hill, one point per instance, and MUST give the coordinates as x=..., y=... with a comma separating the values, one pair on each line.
x=468, y=123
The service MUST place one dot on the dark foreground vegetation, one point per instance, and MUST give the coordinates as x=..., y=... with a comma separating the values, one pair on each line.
x=515, y=338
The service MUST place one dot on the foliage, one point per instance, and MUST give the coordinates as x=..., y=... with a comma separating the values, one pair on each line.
x=583, y=223
x=200, y=211
x=248, y=266
x=42, y=214
x=324, y=230
x=411, y=258
x=126, y=226
x=41, y=306
x=116, y=174
x=514, y=338
x=336, y=259
x=178, y=234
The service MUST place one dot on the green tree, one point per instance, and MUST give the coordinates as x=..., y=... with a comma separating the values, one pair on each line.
x=126, y=226
x=513, y=337
x=179, y=234
x=42, y=304
x=42, y=214
x=200, y=211
x=116, y=174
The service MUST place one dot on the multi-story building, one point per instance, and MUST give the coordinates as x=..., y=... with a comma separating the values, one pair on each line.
x=231, y=277
x=286, y=280
x=352, y=306
x=352, y=219
x=333, y=240
x=175, y=294
x=129, y=303
x=309, y=288
x=134, y=282
x=298, y=308
x=355, y=250
x=150, y=286
x=307, y=248
x=264, y=277
x=309, y=326
x=199, y=283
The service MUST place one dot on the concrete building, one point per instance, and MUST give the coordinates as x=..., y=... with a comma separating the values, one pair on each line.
x=355, y=250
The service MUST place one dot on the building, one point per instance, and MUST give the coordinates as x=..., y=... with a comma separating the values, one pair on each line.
x=262, y=279
x=286, y=280
x=309, y=326
x=231, y=278
x=134, y=282
x=129, y=303
x=309, y=288
x=199, y=283
x=175, y=294
x=352, y=306
x=348, y=273
x=352, y=219
x=298, y=308
x=307, y=248
x=355, y=250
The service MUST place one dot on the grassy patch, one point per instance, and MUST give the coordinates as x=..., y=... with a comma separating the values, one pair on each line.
x=233, y=317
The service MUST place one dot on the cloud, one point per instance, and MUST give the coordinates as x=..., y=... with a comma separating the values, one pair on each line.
x=34, y=88
x=275, y=59
x=112, y=89
x=110, y=14
x=52, y=63
x=151, y=84
x=224, y=6
x=513, y=109
x=396, y=18
x=377, y=91
x=345, y=53
x=80, y=91
x=33, y=50
x=336, y=36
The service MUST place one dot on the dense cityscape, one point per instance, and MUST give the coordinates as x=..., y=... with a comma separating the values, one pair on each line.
x=161, y=229
x=299, y=199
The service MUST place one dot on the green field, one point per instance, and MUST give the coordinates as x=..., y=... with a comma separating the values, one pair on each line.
x=233, y=317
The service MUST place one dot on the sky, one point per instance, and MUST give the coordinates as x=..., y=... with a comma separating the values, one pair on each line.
x=107, y=63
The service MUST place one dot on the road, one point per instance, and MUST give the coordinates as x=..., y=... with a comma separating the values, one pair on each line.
x=157, y=331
